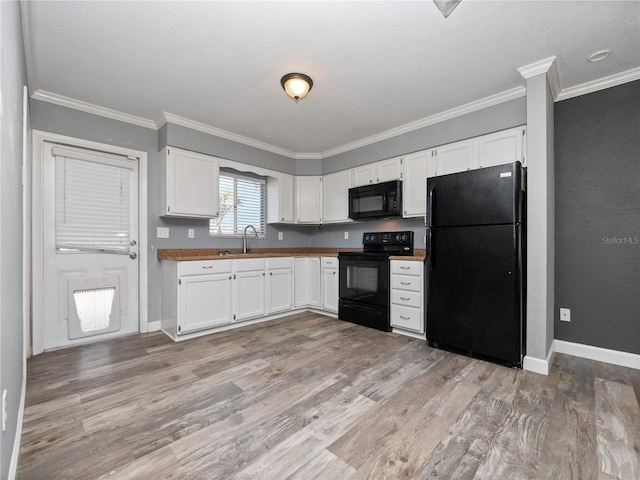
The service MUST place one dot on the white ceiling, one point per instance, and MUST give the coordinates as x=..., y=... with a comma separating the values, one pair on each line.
x=377, y=66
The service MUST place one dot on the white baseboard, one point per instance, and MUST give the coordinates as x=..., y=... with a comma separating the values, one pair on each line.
x=615, y=357
x=537, y=365
x=13, y=468
x=153, y=326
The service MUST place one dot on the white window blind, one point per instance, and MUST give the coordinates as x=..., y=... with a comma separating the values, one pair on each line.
x=93, y=202
x=242, y=203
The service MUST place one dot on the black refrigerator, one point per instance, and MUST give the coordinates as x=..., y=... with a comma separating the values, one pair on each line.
x=475, y=264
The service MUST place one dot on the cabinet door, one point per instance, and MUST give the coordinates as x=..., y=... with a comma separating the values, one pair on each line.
x=315, y=283
x=335, y=196
x=280, y=197
x=308, y=199
x=204, y=302
x=456, y=157
x=279, y=290
x=249, y=294
x=388, y=170
x=414, y=185
x=189, y=184
x=301, y=282
x=501, y=147
x=330, y=289
x=364, y=175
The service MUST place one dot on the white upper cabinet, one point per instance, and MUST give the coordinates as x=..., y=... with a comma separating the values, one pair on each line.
x=377, y=172
x=498, y=148
x=308, y=199
x=189, y=184
x=455, y=157
x=335, y=197
x=417, y=168
x=388, y=170
x=280, y=195
x=364, y=175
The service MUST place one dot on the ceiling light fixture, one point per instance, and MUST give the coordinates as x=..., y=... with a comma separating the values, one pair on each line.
x=446, y=6
x=599, y=55
x=297, y=85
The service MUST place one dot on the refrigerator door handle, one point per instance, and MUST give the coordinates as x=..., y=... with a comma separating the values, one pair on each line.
x=429, y=251
x=430, y=197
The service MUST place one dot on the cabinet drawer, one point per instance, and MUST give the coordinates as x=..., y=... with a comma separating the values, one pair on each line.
x=405, y=267
x=279, y=262
x=248, y=264
x=204, y=267
x=408, y=318
x=329, y=262
x=407, y=298
x=405, y=282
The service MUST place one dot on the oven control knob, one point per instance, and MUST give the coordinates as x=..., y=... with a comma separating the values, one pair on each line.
x=404, y=237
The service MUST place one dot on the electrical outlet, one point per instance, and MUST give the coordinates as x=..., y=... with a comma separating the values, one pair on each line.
x=565, y=315
x=346, y=235
x=280, y=235
x=4, y=410
x=162, y=232
x=191, y=233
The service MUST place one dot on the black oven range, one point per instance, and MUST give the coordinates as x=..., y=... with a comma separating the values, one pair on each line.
x=364, y=278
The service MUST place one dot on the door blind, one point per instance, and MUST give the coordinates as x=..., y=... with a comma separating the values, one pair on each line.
x=93, y=202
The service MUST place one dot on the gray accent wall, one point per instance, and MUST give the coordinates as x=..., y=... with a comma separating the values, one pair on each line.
x=13, y=78
x=183, y=137
x=488, y=120
x=597, y=172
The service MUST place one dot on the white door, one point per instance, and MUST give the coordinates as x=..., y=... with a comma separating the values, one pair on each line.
x=90, y=233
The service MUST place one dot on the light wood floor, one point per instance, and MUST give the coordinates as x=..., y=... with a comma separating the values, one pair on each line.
x=309, y=396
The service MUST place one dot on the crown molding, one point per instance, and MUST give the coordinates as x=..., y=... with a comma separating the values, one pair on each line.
x=537, y=68
x=486, y=102
x=91, y=108
x=547, y=66
x=166, y=117
x=600, y=84
x=27, y=10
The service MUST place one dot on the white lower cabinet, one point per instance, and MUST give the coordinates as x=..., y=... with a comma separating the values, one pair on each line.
x=202, y=295
x=249, y=288
x=279, y=285
x=195, y=295
x=330, y=284
x=307, y=285
x=407, y=300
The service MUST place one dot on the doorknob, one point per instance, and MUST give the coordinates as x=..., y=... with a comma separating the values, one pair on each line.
x=133, y=255
x=133, y=243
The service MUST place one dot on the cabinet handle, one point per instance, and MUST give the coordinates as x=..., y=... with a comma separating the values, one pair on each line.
x=405, y=298
x=282, y=219
x=405, y=283
x=208, y=267
x=229, y=277
x=270, y=273
x=263, y=274
x=333, y=273
x=405, y=318
x=405, y=268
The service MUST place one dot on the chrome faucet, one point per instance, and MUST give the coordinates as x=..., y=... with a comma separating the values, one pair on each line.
x=244, y=239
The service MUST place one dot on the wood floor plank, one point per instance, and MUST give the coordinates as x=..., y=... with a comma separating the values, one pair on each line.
x=309, y=396
x=618, y=429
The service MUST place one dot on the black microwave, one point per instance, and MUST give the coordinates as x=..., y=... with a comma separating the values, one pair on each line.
x=378, y=200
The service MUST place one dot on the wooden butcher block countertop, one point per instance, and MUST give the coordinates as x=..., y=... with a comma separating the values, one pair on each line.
x=187, y=254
